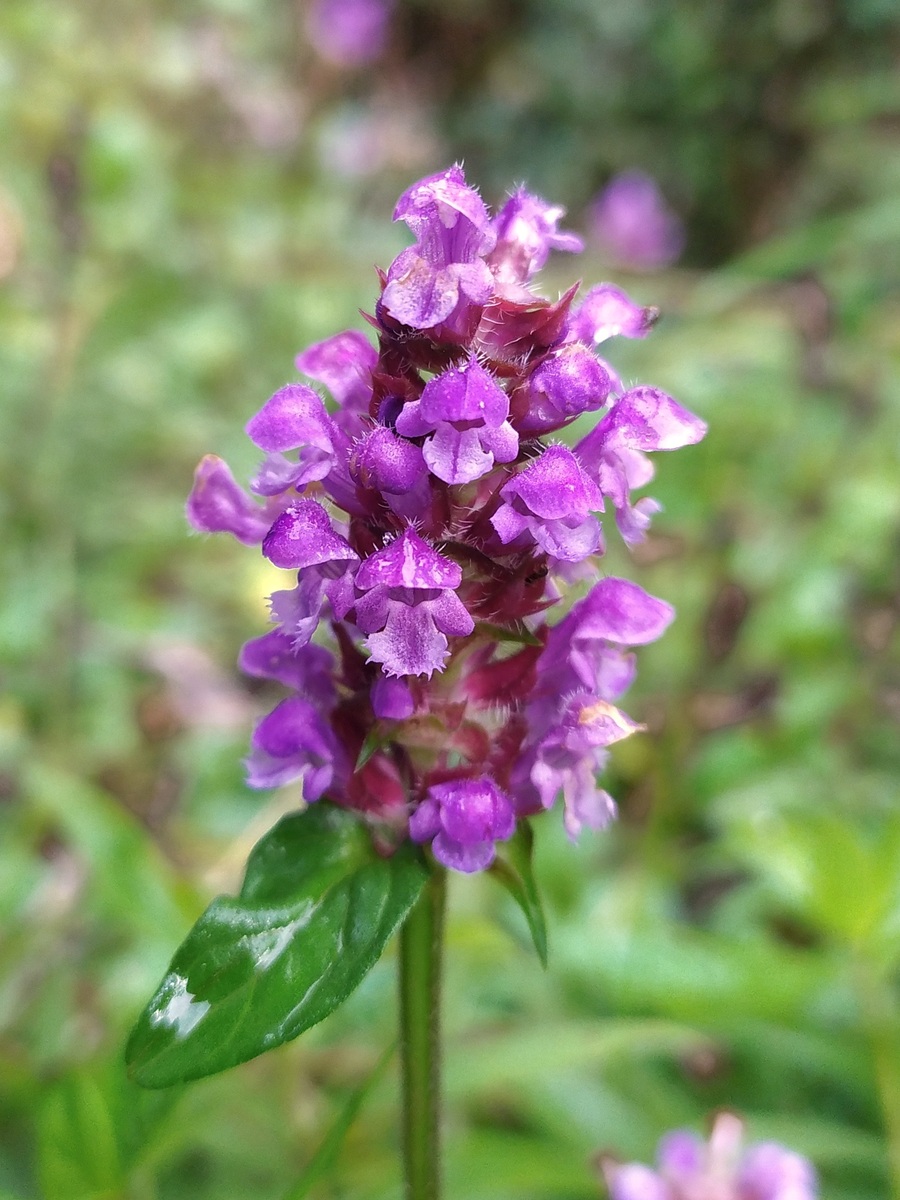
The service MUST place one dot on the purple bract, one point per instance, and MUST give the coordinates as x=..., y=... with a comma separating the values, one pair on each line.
x=431, y=528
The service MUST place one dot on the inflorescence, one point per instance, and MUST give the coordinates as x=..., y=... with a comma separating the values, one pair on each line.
x=429, y=523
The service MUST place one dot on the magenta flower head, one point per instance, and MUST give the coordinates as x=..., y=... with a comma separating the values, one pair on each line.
x=417, y=495
x=348, y=33
x=632, y=223
x=688, y=1168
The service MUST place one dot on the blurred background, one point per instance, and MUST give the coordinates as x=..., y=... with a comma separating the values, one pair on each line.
x=189, y=195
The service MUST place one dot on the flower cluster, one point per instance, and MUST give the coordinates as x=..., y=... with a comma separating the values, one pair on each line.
x=428, y=524
x=687, y=1168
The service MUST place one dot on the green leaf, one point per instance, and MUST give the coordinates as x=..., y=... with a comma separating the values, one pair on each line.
x=514, y=868
x=314, y=914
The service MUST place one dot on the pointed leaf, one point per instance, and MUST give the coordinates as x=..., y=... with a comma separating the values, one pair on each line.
x=313, y=917
x=514, y=868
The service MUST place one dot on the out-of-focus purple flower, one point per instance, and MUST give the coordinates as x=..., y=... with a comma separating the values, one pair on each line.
x=348, y=33
x=294, y=742
x=526, y=231
x=688, y=1168
x=631, y=221
x=463, y=819
x=307, y=669
x=643, y=419
x=409, y=606
x=217, y=504
x=344, y=363
x=551, y=502
x=566, y=758
x=444, y=273
x=464, y=413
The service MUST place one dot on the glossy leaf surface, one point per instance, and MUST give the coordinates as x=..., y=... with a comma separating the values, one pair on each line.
x=313, y=916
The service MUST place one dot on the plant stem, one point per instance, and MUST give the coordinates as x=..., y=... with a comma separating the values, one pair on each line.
x=421, y=947
x=880, y=1016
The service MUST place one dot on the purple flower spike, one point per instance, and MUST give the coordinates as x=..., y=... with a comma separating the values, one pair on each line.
x=445, y=269
x=217, y=504
x=293, y=419
x=607, y=312
x=568, y=382
x=430, y=526
x=551, y=500
x=464, y=410
x=526, y=229
x=465, y=818
x=633, y=224
x=410, y=607
x=302, y=536
x=294, y=742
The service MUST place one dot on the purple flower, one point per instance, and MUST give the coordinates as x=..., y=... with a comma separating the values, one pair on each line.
x=349, y=33
x=439, y=278
x=631, y=221
x=307, y=669
x=344, y=363
x=392, y=699
x=690, y=1169
x=463, y=819
x=293, y=419
x=565, y=759
x=218, y=505
x=643, y=419
x=551, y=502
x=294, y=742
x=302, y=537
x=526, y=233
x=409, y=606
x=464, y=411
x=567, y=382
x=583, y=650
x=607, y=312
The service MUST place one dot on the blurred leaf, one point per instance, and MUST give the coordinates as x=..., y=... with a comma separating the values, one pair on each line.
x=313, y=916
x=517, y=1056
x=326, y=1156
x=514, y=869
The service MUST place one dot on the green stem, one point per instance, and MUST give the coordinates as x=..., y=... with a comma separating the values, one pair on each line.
x=421, y=946
x=880, y=1016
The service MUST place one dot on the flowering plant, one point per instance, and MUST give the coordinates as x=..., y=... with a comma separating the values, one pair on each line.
x=430, y=524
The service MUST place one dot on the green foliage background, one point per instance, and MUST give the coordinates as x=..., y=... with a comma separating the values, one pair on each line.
x=173, y=229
